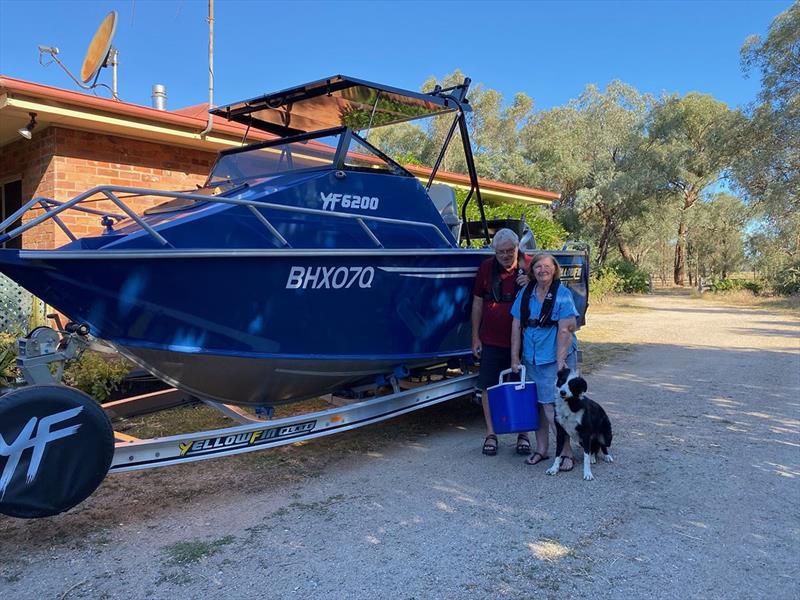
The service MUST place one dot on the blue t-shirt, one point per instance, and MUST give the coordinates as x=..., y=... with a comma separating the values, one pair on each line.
x=539, y=343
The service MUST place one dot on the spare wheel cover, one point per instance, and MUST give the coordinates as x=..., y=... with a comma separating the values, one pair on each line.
x=56, y=445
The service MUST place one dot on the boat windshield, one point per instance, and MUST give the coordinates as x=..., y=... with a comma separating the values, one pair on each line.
x=260, y=162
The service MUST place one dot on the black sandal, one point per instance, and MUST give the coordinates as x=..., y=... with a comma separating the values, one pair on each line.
x=536, y=458
x=571, y=463
x=523, y=444
x=490, y=449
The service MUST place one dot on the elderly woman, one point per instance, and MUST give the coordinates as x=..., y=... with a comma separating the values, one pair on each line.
x=548, y=344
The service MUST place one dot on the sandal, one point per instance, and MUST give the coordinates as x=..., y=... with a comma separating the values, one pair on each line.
x=523, y=444
x=571, y=463
x=533, y=460
x=489, y=448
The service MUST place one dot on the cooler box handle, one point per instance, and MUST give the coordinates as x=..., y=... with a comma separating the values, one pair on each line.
x=521, y=385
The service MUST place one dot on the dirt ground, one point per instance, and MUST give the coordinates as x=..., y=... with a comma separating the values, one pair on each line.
x=703, y=500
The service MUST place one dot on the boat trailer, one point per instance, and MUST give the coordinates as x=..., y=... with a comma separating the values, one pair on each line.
x=50, y=468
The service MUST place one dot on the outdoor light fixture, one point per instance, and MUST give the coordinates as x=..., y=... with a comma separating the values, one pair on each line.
x=27, y=131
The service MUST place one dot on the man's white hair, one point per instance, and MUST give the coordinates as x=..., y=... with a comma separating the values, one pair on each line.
x=505, y=235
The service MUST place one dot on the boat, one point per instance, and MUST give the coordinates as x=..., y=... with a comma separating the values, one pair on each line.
x=305, y=264
x=308, y=264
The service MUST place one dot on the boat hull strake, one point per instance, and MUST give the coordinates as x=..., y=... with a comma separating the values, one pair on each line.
x=263, y=381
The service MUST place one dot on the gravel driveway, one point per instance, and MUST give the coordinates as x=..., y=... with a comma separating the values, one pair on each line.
x=703, y=500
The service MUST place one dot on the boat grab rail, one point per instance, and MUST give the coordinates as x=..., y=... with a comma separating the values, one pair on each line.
x=109, y=192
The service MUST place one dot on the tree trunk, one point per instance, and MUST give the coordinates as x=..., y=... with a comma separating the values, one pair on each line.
x=624, y=249
x=605, y=238
x=679, y=268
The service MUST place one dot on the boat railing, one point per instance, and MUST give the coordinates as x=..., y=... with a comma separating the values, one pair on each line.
x=52, y=208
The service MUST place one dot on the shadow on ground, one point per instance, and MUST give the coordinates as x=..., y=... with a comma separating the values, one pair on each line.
x=669, y=408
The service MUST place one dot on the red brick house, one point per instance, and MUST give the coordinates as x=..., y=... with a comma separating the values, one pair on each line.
x=80, y=141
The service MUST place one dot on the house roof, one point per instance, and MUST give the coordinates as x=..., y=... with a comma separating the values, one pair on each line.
x=182, y=127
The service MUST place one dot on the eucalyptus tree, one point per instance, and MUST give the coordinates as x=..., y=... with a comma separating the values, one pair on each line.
x=715, y=235
x=590, y=151
x=550, y=143
x=493, y=130
x=404, y=142
x=692, y=142
x=495, y=136
x=769, y=170
x=651, y=236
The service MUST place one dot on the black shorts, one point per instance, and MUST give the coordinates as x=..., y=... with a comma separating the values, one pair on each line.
x=494, y=360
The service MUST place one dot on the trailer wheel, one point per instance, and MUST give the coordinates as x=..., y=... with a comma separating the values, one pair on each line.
x=56, y=446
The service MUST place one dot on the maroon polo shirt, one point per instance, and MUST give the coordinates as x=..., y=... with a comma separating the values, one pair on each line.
x=496, y=321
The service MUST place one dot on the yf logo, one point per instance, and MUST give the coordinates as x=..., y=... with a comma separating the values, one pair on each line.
x=26, y=439
x=330, y=201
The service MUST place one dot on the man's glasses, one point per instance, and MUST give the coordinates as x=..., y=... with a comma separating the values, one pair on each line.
x=505, y=252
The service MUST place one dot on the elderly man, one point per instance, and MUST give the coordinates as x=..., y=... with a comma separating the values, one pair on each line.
x=496, y=286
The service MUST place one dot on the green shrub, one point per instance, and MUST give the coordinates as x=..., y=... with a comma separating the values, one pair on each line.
x=754, y=286
x=730, y=284
x=633, y=279
x=602, y=283
x=787, y=281
x=96, y=374
x=548, y=233
x=722, y=285
x=8, y=358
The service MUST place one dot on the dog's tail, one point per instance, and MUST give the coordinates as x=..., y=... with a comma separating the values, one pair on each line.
x=607, y=433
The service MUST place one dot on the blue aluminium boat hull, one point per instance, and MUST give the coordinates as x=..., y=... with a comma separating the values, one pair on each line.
x=269, y=326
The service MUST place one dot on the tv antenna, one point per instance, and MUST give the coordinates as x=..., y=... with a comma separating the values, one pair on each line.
x=99, y=54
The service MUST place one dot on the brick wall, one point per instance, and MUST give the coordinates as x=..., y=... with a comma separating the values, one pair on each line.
x=60, y=163
x=33, y=161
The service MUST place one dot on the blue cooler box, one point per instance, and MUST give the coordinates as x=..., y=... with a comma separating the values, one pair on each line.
x=514, y=405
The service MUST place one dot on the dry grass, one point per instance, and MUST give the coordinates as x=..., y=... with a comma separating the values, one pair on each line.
x=746, y=299
x=199, y=417
x=598, y=342
x=183, y=419
x=549, y=550
x=596, y=355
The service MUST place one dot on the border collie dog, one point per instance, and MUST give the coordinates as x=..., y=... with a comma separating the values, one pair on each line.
x=583, y=420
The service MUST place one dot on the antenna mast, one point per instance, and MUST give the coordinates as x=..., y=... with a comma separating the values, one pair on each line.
x=207, y=130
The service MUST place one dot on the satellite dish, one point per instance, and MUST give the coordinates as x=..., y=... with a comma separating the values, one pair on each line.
x=99, y=54
x=99, y=47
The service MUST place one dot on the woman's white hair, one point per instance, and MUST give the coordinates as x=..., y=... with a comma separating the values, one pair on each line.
x=505, y=235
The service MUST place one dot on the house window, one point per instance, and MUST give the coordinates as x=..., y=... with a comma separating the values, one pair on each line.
x=10, y=202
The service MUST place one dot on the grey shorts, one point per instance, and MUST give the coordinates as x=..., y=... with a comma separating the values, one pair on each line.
x=544, y=376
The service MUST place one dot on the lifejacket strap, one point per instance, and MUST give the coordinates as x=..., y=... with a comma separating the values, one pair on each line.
x=546, y=315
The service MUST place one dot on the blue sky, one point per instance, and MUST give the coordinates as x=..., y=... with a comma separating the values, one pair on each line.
x=549, y=50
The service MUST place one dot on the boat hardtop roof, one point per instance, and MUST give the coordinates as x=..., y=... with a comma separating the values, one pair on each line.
x=336, y=101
